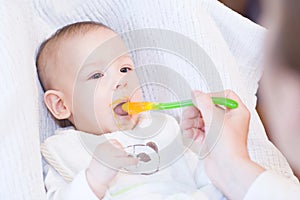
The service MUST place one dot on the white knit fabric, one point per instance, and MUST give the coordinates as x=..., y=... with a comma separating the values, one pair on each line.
x=21, y=170
x=244, y=39
x=233, y=43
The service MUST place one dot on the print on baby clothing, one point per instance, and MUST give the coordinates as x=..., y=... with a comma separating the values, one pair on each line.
x=155, y=138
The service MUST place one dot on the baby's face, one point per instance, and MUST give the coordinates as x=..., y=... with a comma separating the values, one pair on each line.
x=96, y=77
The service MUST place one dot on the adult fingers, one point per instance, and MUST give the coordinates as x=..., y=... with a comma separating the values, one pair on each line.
x=238, y=115
x=192, y=123
x=191, y=112
x=231, y=95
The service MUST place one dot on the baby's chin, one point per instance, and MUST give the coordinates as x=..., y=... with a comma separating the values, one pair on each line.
x=118, y=123
x=126, y=122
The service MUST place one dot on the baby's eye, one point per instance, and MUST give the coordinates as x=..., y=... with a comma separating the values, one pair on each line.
x=125, y=69
x=96, y=75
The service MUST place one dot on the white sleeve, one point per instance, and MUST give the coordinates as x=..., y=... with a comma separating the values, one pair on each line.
x=269, y=185
x=59, y=189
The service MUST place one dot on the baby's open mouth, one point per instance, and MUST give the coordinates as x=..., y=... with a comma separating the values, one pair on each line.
x=119, y=111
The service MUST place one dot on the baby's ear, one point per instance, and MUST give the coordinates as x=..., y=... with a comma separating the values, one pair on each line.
x=56, y=104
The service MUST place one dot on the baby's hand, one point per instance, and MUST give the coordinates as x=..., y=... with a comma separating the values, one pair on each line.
x=192, y=125
x=108, y=158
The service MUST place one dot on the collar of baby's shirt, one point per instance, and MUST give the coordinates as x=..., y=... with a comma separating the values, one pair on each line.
x=62, y=130
x=90, y=138
x=139, y=135
x=144, y=120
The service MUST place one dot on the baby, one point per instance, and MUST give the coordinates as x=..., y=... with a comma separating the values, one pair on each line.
x=87, y=75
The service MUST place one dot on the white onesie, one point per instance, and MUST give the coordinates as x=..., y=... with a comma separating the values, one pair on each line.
x=164, y=172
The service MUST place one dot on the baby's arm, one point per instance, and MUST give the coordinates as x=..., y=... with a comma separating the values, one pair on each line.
x=90, y=183
x=108, y=158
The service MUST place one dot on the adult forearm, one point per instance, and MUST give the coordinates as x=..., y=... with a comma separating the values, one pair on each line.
x=235, y=177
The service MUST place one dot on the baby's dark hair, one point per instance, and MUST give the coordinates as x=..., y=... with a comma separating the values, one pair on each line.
x=53, y=40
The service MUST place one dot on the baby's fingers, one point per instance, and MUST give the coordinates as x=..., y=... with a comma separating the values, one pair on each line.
x=109, y=152
x=126, y=161
x=110, y=147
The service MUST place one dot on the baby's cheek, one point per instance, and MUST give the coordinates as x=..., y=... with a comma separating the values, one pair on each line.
x=135, y=119
x=136, y=96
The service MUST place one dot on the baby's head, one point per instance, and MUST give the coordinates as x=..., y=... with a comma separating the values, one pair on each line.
x=87, y=73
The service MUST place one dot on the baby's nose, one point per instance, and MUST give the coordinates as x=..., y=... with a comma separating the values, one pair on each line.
x=120, y=85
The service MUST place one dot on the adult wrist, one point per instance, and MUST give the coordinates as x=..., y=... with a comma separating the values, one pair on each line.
x=236, y=178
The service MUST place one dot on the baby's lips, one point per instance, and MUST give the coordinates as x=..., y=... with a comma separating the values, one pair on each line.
x=119, y=111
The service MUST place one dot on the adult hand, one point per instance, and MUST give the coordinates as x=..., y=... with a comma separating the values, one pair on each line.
x=227, y=163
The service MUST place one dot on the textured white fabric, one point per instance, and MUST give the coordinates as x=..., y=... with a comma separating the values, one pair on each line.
x=244, y=39
x=234, y=44
x=20, y=159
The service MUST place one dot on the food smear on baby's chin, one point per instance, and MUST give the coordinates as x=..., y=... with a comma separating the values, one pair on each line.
x=116, y=106
x=116, y=116
x=115, y=102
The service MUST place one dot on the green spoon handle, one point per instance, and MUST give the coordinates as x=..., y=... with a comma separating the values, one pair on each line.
x=229, y=103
